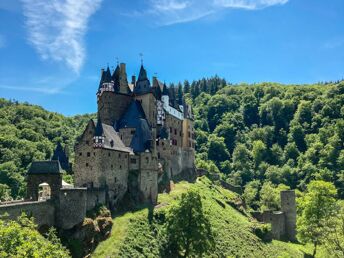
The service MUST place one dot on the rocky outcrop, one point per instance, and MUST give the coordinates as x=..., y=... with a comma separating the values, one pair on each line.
x=84, y=238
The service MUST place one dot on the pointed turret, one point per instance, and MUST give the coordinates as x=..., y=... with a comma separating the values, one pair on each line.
x=107, y=75
x=60, y=155
x=143, y=84
x=116, y=78
x=102, y=75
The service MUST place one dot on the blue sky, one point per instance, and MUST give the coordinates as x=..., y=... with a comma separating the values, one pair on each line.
x=51, y=51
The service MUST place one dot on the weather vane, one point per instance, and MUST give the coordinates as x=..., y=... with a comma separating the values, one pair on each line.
x=141, y=55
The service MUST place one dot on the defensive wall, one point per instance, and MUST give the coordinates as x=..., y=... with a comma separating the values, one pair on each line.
x=64, y=212
x=283, y=223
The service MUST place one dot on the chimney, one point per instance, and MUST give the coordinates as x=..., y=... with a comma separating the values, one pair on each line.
x=133, y=80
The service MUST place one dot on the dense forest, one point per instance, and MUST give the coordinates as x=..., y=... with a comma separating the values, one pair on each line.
x=27, y=133
x=263, y=137
x=267, y=137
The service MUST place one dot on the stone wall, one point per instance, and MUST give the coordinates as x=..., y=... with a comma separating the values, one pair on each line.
x=71, y=208
x=283, y=223
x=42, y=211
x=34, y=180
x=114, y=169
x=100, y=168
x=175, y=128
x=86, y=160
x=111, y=106
x=188, y=134
x=148, y=177
x=95, y=196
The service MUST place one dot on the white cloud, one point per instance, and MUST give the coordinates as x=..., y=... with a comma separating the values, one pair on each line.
x=248, y=4
x=57, y=27
x=44, y=90
x=179, y=11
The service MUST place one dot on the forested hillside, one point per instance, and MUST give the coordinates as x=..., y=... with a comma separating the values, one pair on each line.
x=264, y=137
x=267, y=137
x=27, y=133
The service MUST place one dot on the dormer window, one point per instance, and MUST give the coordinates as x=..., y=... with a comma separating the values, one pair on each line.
x=98, y=141
x=111, y=143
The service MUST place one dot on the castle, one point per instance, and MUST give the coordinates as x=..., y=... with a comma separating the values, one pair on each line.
x=142, y=138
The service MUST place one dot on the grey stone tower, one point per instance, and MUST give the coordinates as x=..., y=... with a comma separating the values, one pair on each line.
x=288, y=206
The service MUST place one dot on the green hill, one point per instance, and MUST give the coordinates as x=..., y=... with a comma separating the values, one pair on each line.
x=28, y=132
x=138, y=233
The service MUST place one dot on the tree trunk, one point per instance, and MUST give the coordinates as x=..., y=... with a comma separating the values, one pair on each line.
x=315, y=249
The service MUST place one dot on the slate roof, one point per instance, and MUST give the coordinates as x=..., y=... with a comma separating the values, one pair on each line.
x=99, y=128
x=135, y=117
x=45, y=167
x=116, y=77
x=112, y=141
x=157, y=88
x=102, y=75
x=142, y=84
x=107, y=75
x=60, y=155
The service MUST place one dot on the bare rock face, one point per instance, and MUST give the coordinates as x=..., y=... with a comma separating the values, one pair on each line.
x=84, y=238
x=104, y=225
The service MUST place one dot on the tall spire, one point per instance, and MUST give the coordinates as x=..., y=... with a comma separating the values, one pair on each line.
x=143, y=84
x=107, y=75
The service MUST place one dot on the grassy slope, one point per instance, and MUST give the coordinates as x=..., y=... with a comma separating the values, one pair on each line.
x=135, y=235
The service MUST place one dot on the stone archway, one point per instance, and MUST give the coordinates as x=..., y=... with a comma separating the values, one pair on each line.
x=44, y=172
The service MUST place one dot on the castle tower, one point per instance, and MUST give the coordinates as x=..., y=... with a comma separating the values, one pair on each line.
x=113, y=95
x=288, y=207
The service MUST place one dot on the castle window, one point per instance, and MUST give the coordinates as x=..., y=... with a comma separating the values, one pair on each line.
x=132, y=132
x=180, y=133
x=119, y=155
x=115, y=179
x=94, y=154
x=86, y=164
x=175, y=131
x=158, y=155
x=120, y=166
x=170, y=129
x=87, y=142
x=133, y=161
x=147, y=160
x=111, y=143
x=109, y=154
x=88, y=154
x=80, y=153
x=111, y=166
